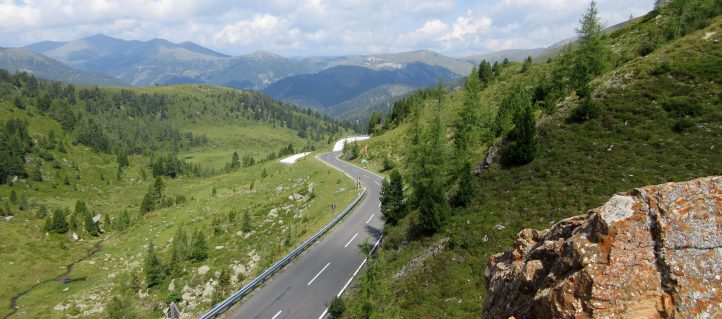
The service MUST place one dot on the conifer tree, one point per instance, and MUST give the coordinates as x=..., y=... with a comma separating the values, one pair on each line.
x=178, y=251
x=427, y=174
x=467, y=189
x=246, y=226
x=392, y=197
x=60, y=224
x=199, y=248
x=235, y=160
x=486, y=74
x=468, y=120
x=526, y=66
x=153, y=269
x=523, y=146
x=590, y=58
x=90, y=226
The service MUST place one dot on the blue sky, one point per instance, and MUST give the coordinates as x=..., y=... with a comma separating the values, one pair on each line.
x=312, y=27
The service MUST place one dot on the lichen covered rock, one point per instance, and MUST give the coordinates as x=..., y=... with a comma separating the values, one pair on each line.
x=654, y=252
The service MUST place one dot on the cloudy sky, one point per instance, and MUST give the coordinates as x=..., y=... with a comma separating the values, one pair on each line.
x=312, y=27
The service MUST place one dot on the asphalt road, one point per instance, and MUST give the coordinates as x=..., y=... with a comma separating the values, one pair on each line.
x=304, y=287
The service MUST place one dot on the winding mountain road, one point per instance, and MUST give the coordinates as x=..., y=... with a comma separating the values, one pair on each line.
x=324, y=270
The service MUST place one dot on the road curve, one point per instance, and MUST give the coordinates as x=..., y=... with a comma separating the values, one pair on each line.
x=305, y=286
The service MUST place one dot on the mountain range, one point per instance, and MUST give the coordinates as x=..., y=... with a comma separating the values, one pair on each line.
x=338, y=86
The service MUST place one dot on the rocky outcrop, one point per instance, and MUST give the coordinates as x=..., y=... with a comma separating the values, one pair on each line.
x=654, y=252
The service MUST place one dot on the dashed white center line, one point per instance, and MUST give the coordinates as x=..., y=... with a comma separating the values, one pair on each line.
x=372, y=216
x=350, y=240
x=277, y=314
x=318, y=274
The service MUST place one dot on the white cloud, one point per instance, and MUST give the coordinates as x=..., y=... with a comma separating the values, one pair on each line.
x=310, y=27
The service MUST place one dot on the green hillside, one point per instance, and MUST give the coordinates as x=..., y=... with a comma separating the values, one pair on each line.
x=157, y=165
x=653, y=115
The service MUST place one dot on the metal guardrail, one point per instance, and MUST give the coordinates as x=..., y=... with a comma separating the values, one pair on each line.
x=238, y=295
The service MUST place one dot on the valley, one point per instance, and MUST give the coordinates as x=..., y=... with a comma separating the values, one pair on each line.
x=448, y=176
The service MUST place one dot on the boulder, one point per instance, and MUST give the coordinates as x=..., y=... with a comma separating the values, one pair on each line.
x=202, y=270
x=654, y=252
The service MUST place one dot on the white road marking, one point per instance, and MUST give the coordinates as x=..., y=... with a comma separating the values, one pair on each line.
x=377, y=183
x=350, y=240
x=277, y=314
x=379, y=204
x=372, y=216
x=323, y=314
x=351, y=279
x=318, y=274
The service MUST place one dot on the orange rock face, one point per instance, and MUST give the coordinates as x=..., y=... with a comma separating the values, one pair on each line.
x=654, y=252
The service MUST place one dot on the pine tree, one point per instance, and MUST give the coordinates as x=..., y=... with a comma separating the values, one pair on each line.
x=235, y=160
x=467, y=188
x=60, y=224
x=486, y=74
x=428, y=179
x=526, y=66
x=497, y=69
x=523, y=146
x=246, y=226
x=199, y=248
x=590, y=59
x=392, y=197
x=468, y=120
x=153, y=268
x=90, y=226
x=178, y=251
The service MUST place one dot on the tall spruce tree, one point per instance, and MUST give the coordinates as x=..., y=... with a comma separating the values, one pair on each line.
x=153, y=268
x=486, y=73
x=392, y=198
x=90, y=226
x=199, y=248
x=467, y=188
x=466, y=124
x=60, y=224
x=235, y=160
x=523, y=141
x=591, y=57
x=428, y=179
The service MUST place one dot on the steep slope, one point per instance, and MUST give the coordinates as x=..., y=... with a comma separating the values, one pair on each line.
x=15, y=59
x=659, y=121
x=327, y=89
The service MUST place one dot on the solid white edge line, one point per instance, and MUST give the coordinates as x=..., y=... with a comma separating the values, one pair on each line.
x=377, y=183
x=277, y=314
x=376, y=244
x=350, y=240
x=324, y=313
x=379, y=204
x=372, y=216
x=352, y=277
x=319, y=273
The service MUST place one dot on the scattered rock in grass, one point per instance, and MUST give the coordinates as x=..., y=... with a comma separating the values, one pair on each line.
x=202, y=270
